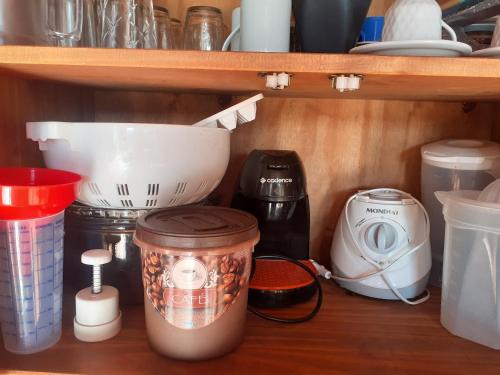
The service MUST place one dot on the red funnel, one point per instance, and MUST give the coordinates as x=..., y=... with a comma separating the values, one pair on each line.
x=30, y=193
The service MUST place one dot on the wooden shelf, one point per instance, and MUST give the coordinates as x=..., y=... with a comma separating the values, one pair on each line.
x=418, y=78
x=351, y=335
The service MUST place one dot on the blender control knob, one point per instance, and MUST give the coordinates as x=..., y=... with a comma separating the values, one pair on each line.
x=381, y=237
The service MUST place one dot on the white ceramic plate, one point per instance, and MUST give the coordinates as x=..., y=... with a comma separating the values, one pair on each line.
x=488, y=52
x=441, y=48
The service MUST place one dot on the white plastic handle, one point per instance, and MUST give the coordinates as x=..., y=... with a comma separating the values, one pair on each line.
x=50, y=130
x=227, y=42
x=233, y=116
x=449, y=30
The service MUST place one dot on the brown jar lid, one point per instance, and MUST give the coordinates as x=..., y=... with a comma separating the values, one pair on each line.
x=196, y=227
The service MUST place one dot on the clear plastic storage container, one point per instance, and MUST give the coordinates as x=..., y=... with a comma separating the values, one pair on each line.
x=32, y=203
x=453, y=165
x=196, y=266
x=471, y=279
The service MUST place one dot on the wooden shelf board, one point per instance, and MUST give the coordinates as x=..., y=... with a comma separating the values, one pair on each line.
x=417, y=78
x=351, y=335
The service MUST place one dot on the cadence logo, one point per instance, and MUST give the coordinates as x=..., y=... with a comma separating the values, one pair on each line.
x=276, y=180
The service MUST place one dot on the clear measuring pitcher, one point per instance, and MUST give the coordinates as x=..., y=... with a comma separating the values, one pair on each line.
x=32, y=203
x=31, y=270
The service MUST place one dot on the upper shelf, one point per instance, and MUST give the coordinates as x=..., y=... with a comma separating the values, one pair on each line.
x=419, y=78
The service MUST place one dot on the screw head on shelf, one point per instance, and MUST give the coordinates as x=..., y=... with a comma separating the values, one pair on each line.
x=96, y=257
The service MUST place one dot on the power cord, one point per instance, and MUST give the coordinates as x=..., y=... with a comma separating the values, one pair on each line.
x=323, y=271
x=277, y=319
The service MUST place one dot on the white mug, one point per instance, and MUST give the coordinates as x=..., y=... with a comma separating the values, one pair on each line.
x=264, y=26
x=495, y=40
x=415, y=20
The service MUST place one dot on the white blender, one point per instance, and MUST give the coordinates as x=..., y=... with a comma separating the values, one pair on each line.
x=381, y=246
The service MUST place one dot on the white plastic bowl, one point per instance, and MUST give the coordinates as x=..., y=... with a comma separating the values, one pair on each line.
x=136, y=165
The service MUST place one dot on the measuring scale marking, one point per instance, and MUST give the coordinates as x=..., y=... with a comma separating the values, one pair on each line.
x=34, y=265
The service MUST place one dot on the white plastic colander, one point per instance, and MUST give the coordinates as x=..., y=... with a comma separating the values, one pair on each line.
x=142, y=165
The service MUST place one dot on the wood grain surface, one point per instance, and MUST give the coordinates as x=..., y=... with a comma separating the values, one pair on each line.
x=345, y=145
x=22, y=101
x=496, y=127
x=351, y=145
x=155, y=107
x=238, y=72
x=351, y=335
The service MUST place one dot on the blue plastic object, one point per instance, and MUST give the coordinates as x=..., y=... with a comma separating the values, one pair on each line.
x=372, y=30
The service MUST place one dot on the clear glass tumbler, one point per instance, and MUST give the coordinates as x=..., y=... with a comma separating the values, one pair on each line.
x=162, y=26
x=64, y=22
x=89, y=27
x=126, y=24
x=176, y=32
x=203, y=29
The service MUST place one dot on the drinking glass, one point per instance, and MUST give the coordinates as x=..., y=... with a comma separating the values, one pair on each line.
x=176, y=32
x=89, y=27
x=163, y=30
x=126, y=24
x=203, y=29
x=64, y=22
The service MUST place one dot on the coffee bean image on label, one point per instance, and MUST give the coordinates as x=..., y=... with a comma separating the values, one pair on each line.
x=192, y=292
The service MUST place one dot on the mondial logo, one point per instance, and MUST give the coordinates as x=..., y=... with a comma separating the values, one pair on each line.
x=382, y=211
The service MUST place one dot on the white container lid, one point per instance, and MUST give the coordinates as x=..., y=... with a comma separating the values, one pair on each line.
x=462, y=154
x=463, y=209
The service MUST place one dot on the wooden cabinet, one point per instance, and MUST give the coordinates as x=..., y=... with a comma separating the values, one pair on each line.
x=368, y=138
x=348, y=141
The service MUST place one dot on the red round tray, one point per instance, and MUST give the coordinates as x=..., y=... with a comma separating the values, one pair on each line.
x=280, y=274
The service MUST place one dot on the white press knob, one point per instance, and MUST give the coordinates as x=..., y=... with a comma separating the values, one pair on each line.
x=98, y=316
x=96, y=257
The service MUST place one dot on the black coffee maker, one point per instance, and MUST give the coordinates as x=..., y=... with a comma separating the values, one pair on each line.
x=273, y=188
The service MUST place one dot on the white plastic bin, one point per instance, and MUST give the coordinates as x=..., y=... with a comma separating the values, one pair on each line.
x=453, y=165
x=470, y=305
